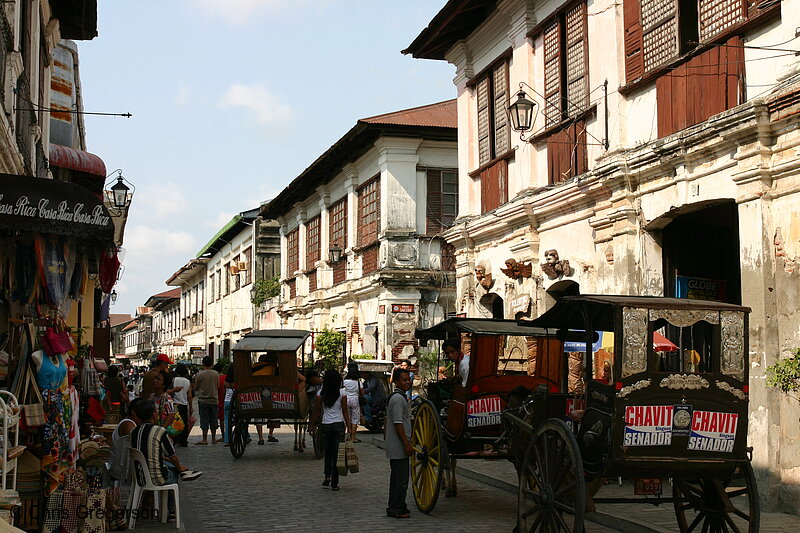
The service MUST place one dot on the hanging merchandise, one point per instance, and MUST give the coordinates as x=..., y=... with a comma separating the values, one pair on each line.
x=26, y=274
x=32, y=404
x=90, y=379
x=77, y=280
x=51, y=370
x=57, y=452
x=109, y=266
x=52, y=254
x=57, y=340
x=95, y=410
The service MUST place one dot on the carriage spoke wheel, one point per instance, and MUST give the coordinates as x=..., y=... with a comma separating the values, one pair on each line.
x=426, y=460
x=319, y=443
x=236, y=435
x=551, y=496
x=725, y=505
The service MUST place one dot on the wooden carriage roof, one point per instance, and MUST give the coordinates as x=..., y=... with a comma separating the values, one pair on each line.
x=451, y=328
x=279, y=340
x=600, y=308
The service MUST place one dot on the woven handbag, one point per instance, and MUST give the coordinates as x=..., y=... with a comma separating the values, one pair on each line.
x=352, y=457
x=341, y=461
x=33, y=403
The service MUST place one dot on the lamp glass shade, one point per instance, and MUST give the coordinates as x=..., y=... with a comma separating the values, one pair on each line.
x=113, y=296
x=335, y=253
x=521, y=112
x=120, y=191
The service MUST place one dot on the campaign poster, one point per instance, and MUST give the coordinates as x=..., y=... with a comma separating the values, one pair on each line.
x=648, y=425
x=484, y=412
x=713, y=431
x=250, y=400
x=283, y=400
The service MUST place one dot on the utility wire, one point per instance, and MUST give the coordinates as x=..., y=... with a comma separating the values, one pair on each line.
x=70, y=111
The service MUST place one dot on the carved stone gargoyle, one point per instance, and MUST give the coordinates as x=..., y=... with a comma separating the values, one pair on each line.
x=484, y=280
x=553, y=267
x=516, y=270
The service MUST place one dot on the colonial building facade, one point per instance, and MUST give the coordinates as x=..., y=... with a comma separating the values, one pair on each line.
x=662, y=155
x=191, y=278
x=380, y=198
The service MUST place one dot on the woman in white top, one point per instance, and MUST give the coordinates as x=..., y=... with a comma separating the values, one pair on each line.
x=352, y=386
x=331, y=401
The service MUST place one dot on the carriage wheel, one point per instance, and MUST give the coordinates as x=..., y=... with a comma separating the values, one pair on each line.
x=726, y=505
x=237, y=438
x=552, y=492
x=427, y=459
x=319, y=443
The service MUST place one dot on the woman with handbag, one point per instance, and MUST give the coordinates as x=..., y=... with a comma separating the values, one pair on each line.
x=331, y=403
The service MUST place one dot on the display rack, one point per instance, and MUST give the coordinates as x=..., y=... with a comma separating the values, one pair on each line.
x=10, y=449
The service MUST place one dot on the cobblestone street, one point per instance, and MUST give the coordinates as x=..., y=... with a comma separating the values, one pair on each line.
x=273, y=488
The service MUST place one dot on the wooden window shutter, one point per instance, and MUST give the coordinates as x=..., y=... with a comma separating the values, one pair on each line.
x=552, y=73
x=634, y=56
x=715, y=16
x=502, y=140
x=484, y=139
x=659, y=32
x=434, y=210
x=576, y=61
x=312, y=242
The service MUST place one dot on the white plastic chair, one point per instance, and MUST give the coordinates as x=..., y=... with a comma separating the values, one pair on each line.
x=139, y=465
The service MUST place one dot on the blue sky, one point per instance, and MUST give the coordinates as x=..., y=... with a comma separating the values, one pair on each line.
x=231, y=101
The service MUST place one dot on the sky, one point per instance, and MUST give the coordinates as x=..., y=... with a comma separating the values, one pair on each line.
x=231, y=101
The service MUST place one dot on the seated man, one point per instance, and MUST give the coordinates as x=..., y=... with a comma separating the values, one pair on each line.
x=155, y=445
x=452, y=350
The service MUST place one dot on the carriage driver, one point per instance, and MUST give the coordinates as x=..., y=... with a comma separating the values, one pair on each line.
x=452, y=350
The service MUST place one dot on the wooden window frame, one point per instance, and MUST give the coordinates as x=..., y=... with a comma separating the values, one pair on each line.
x=337, y=227
x=369, y=204
x=637, y=75
x=237, y=279
x=491, y=88
x=436, y=219
x=292, y=252
x=227, y=270
x=313, y=242
x=247, y=254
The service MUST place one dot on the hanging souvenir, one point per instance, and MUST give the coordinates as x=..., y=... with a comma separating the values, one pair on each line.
x=26, y=274
x=51, y=254
x=109, y=266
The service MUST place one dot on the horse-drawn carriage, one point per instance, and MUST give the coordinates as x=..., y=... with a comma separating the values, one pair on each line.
x=266, y=372
x=643, y=388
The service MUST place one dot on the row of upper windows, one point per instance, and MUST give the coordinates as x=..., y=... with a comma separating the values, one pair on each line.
x=664, y=40
x=231, y=276
x=441, y=212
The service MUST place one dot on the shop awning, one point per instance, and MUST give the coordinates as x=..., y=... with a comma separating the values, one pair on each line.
x=50, y=206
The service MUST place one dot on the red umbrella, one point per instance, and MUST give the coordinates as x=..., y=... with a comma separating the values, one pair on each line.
x=662, y=344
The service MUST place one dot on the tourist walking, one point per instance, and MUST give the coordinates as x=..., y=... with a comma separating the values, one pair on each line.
x=352, y=386
x=398, y=443
x=206, y=387
x=183, y=402
x=331, y=402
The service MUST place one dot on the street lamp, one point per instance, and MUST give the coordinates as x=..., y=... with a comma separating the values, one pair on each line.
x=114, y=296
x=120, y=194
x=521, y=112
x=335, y=253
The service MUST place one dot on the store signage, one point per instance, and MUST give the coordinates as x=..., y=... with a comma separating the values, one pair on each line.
x=484, y=412
x=700, y=288
x=648, y=425
x=521, y=304
x=402, y=308
x=250, y=400
x=283, y=400
x=50, y=206
x=713, y=431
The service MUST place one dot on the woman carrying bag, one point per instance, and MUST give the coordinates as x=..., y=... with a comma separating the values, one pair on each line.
x=331, y=401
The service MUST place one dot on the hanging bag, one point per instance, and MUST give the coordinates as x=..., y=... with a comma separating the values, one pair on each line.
x=90, y=379
x=57, y=340
x=32, y=404
x=352, y=457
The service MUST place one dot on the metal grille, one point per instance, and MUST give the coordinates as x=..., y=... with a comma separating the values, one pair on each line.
x=718, y=15
x=660, y=44
x=338, y=223
x=312, y=242
x=484, y=149
x=502, y=142
x=369, y=212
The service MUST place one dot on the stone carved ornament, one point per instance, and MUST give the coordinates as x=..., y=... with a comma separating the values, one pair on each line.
x=484, y=280
x=516, y=270
x=727, y=387
x=639, y=385
x=553, y=267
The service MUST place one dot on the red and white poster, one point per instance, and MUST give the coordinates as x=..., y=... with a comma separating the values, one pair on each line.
x=484, y=412
x=713, y=431
x=648, y=425
x=250, y=400
x=283, y=400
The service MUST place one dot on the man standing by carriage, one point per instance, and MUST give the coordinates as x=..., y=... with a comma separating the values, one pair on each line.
x=398, y=443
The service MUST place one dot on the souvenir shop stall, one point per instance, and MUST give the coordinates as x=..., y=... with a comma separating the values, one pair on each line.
x=58, y=264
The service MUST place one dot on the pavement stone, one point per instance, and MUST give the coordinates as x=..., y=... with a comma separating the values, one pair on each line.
x=272, y=488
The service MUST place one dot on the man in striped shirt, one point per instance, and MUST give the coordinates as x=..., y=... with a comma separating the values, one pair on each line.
x=159, y=452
